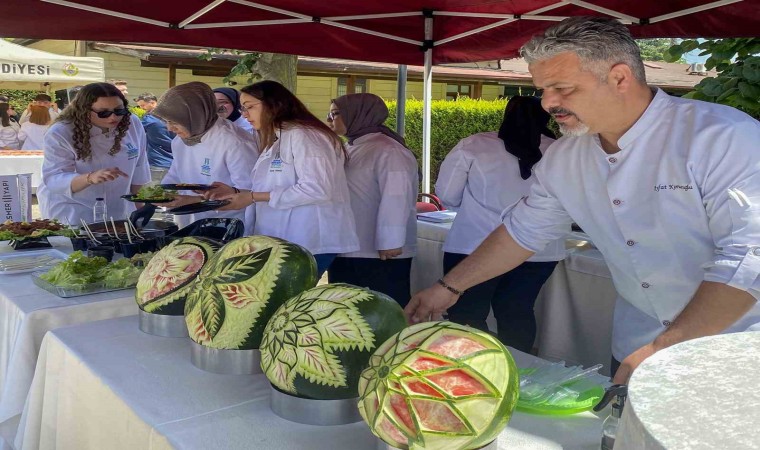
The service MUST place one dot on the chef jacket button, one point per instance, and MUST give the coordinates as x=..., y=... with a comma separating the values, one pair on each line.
x=645, y=285
x=612, y=159
x=666, y=323
x=616, y=202
x=756, y=251
x=629, y=243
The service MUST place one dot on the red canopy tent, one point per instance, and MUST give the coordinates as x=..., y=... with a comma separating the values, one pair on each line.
x=398, y=31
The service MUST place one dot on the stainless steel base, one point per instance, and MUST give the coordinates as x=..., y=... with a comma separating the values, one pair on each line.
x=227, y=362
x=381, y=445
x=163, y=325
x=314, y=412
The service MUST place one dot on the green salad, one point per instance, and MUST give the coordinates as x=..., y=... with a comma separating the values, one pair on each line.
x=154, y=192
x=79, y=270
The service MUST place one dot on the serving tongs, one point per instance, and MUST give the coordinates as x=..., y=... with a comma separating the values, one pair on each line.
x=89, y=232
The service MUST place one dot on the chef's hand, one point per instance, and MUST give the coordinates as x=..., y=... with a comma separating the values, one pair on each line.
x=238, y=200
x=106, y=175
x=429, y=304
x=219, y=191
x=182, y=200
x=389, y=254
x=145, y=213
x=630, y=363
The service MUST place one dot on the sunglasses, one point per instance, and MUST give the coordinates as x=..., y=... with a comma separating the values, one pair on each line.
x=106, y=114
x=331, y=115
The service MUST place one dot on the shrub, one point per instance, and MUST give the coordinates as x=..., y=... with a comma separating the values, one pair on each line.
x=19, y=100
x=451, y=121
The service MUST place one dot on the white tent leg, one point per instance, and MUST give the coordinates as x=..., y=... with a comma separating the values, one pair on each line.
x=401, y=100
x=427, y=94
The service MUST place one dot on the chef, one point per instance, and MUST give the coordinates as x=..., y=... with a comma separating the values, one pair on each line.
x=668, y=189
x=228, y=107
x=207, y=148
x=95, y=149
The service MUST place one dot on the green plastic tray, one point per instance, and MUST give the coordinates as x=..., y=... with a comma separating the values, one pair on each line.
x=585, y=401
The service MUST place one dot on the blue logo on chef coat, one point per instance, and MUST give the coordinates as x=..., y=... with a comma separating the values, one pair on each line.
x=276, y=164
x=206, y=167
x=132, y=151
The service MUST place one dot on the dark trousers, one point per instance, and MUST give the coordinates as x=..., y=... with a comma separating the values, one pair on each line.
x=511, y=295
x=391, y=277
x=614, y=366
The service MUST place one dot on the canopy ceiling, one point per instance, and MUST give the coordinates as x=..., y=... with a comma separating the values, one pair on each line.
x=373, y=30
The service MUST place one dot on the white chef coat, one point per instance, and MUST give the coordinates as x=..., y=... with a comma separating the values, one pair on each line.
x=479, y=179
x=60, y=166
x=32, y=135
x=309, y=201
x=240, y=122
x=226, y=154
x=383, y=184
x=678, y=204
x=9, y=136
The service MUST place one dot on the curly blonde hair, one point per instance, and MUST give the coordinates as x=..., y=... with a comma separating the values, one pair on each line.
x=78, y=113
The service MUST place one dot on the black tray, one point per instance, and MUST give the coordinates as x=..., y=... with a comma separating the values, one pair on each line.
x=30, y=243
x=133, y=198
x=187, y=187
x=208, y=205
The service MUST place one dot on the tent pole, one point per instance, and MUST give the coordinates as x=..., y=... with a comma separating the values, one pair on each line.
x=427, y=94
x=401, y=100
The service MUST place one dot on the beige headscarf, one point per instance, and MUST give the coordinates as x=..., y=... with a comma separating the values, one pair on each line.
x=192, y=105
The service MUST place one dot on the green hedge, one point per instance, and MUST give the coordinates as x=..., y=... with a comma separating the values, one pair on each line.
x=451, y=122
x=19, y=99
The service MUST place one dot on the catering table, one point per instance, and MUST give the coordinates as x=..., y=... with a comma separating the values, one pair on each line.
x=573, y=310
x=14, y=162
x=26, y=314
x=108, y=385
x=700, y=394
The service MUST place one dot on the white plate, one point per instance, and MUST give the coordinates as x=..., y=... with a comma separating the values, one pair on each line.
x=30, y=260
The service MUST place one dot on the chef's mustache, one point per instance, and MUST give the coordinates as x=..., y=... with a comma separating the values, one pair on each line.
x=557, y=110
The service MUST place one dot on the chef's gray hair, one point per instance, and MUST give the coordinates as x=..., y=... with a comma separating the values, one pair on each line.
x=599, y=42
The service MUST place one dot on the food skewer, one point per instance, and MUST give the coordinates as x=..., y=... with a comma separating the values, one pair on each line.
x=89, y=232
x=129, y=236
x=114, y=228
x=133, y=228
x=105, y=223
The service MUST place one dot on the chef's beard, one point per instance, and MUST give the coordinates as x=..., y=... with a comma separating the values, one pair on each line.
x=579, y=129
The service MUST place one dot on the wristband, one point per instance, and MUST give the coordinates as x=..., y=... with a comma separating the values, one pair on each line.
x=449, y=288
x=237, y=191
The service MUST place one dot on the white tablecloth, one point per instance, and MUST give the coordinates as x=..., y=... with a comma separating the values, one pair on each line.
x=573, y=310
x=106, y=385
x=26, y=314
x=14, y=165
x=699, y=395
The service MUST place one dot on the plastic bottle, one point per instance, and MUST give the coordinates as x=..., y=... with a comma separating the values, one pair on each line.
x=610, y=426
x=99, y=210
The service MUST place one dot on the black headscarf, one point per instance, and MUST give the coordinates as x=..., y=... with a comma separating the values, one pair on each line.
x=524, y=123
x=234, y=97
x=364, y=114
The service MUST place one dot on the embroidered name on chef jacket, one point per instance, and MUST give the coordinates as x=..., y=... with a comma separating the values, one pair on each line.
x=206, y=167
x=673, y=187
x=276, y=165
x=132, y=151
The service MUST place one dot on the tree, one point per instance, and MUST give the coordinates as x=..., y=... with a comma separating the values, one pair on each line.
x=738, y=65
x=654, y=49
x=268, y=66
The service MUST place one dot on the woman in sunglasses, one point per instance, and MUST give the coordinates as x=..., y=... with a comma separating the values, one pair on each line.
x=95, y=149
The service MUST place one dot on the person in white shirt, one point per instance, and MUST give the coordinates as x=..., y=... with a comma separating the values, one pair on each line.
x=40, y=100
x=8, y=128
x=207, y=148
x=483, y=175
x=383, y=184
x=32, y=133
x=95, y=149
x=668, y=189
x=228, y=107
x=299, y=181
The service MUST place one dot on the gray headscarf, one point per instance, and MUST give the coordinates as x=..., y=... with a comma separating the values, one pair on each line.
x=192, y=105
x=364, y=114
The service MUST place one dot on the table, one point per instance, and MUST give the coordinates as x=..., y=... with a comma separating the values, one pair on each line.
x=26, y=314
x=16, y=164
x=700, y=394
x=573, y=310
x=107, y=385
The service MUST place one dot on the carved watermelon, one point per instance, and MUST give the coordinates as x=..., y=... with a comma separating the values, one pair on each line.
x=439, y=385
x=241, y=287
x=317, y=344
x=168, y=277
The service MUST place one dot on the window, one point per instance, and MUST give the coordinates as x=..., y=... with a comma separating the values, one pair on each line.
x=351, y=85
x=458, y=90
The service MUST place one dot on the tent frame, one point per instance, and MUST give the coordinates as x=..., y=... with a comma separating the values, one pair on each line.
x=427, y=45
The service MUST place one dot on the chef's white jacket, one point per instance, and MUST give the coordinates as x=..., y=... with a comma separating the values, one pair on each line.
x=383, y=184
x=226, y=153
x=240, y=122
x=60, y=166
x=678, y=204
x=32, y=135
x=309, y=201
x=479, y=179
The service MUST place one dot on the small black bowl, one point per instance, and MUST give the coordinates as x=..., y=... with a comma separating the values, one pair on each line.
x=80, y=243
x=130, y=250
x=103, y=250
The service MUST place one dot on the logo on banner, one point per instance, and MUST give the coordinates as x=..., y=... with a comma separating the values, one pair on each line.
x=69, y=69
x=206, y=167
x=132, y=151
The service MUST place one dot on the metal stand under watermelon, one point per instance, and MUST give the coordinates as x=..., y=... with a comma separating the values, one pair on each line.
x=382, y=445
x=314, y=412
x=163, y=325
x=224, y=361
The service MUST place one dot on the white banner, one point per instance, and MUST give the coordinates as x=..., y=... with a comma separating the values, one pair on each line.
x=23, y=64
x=25, y=196
x=10, y=198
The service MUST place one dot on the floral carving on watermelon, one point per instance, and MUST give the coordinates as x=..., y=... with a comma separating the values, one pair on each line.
x=166, y=271
x=304, y=333
x=438, y=385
